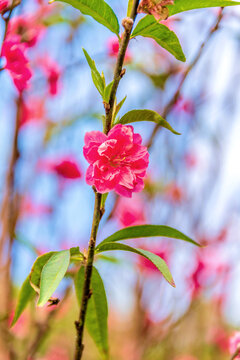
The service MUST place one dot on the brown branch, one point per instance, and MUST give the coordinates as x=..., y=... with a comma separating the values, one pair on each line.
x=176, y=95
x=118, y=73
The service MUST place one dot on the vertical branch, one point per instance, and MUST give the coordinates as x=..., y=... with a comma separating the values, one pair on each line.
x=98, y=211
x=9, y=214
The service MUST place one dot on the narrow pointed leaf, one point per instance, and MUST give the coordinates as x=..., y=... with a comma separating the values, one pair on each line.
x=99, y=10
x=149, y=27
x=185, y=5
x=25, y=295
x=155, y=259
x=145, y=115
x=130, y=6
x=107, y=91
x=141, y=231
x=35, y=274
x=96, y=77
x=97, y=310
x=52, y=274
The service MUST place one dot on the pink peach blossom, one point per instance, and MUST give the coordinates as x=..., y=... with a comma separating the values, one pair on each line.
x=65, y=167
x=234, y=344
x=155, y=8
x=3, y=5
x=16, y=62
x=117, y=161
x=113, y=48
x=130, y=212
x=27, y=27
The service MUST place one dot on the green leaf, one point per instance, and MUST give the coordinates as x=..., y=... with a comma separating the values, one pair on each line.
x=97, y=78
x=97, y=310
x=36, y=270
x=141, y=231
x=145, y=115
x=25, y=295
x=149, y=27
x=107, y=91
x=155, y=259
x=99, y=10
x=75, y=254
x=130, y=6
x=118, y=107
x=52, y=274
x=185, y=5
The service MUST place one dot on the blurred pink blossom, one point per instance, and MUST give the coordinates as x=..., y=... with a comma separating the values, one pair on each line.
x=65, y=167
x=27, y=27
x=234, y=344
x=3, y=5
x=52, y=72
x=130, y=212
x=117, y=161
x=32, y=110
x=113, y=48
x=16, y=62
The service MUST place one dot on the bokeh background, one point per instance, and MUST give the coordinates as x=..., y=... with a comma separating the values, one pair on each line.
x=192, y=184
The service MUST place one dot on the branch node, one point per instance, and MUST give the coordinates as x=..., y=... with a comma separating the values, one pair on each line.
x=127, y=23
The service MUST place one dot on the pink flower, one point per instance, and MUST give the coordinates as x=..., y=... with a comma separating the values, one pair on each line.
x=52, y=72
x=27, y=28
x=32, y=111
x=130, y=212
x=66, y=167
x=16, y=62
x=157, y=8
x=234, y=344
x=117, y=161
x=3, y=5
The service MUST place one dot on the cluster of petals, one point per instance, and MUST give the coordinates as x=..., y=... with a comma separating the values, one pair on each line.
x=157, y=8
x=118, y=161
x=234, y=344
x=3, y=5
x=66, y=167
x=16, y=61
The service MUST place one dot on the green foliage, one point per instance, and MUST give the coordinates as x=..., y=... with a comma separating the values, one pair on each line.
x=185, y=5
x=155, y=259
x=149, y=27
x=98, y=80
x=141, y=231
x=98, y=10
x=25, y=295
x=75, y=254
x=52, y=274
x=145, y=115
x=107, y=92
x=130, y=6
x=97, y=310
x=36, y=270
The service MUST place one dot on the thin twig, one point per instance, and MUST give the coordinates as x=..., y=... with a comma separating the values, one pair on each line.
x=168, y=108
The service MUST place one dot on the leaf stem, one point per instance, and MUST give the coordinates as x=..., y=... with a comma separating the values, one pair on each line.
x=98, y=211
